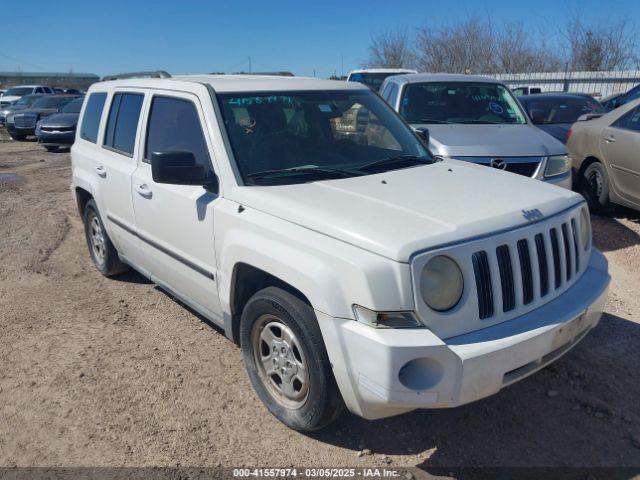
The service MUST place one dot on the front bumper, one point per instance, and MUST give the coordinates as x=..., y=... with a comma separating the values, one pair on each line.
x=13, y=130
x=382, y=373
x=55, y=139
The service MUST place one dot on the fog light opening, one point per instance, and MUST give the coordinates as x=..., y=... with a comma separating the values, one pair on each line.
x=421, y=373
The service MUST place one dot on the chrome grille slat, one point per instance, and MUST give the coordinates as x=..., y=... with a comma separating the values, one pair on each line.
x=557, y=259
x=506, y=278
x=543, y=266
x=525, y=268
x=568, y=252
x=483, y=284
x=576, y=245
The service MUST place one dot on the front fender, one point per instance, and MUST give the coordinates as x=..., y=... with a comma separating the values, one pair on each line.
x=332, y=274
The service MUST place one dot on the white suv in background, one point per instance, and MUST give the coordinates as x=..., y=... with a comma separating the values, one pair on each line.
x=16, y=93
x=351, y=267
x=373, y=77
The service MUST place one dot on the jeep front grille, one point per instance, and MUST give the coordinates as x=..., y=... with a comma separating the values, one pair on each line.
x=526, y=268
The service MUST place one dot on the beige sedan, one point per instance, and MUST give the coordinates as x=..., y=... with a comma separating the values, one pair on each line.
x=605, y=152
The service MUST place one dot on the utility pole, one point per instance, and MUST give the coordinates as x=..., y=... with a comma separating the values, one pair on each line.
x=341, y=65
x=249, y=63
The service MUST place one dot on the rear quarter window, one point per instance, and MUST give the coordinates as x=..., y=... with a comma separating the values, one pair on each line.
x=91, y=117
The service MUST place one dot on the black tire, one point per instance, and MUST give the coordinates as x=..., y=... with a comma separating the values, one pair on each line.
x=594, y=186
x=18, y=137
x=51, y=149
x=322, y=403
x=105, y=257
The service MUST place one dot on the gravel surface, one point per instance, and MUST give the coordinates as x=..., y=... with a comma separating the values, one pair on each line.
x=99, y=372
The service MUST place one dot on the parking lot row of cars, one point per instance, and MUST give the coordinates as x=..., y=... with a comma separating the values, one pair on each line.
x=569, y=139
x=41, y=112
x=546, y=136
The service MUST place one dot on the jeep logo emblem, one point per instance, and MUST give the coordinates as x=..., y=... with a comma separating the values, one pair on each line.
x=532, y=215
x=498, y=163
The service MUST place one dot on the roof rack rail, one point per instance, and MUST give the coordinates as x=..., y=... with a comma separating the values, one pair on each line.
x=267, y=74
x=151, y=74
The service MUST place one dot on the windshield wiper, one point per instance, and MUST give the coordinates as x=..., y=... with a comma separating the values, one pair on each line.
x=429, y=120
x=395, y=159
x=481, y=122
x=305, y=170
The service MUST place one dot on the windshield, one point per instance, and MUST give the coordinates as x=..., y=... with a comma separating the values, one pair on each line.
x=18, y=91
x=27, y=100
x=371, y=80
x=341, y=131
x=560, y=110
x=50, y=101
x=460, y=102
x=73, y=106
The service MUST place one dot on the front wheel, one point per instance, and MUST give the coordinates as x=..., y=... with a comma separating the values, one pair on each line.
x=103, y=253
x=287, y=362
x=595, y=187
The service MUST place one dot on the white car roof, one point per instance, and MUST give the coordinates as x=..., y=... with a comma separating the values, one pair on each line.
x=26, y=86
x=441, y=77
x=383, y=70
x=236, y=83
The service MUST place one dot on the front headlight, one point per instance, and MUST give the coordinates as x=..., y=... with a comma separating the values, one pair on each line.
x=557, y=165
x=441, y=283
x=585, y=227
x=386, y=319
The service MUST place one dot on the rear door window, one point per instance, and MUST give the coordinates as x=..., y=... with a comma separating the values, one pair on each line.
x=122, y=124
x=174, y=125
x=91, y=116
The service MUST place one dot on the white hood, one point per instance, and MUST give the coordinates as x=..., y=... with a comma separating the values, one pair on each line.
x=397, y=213
x=5, y=99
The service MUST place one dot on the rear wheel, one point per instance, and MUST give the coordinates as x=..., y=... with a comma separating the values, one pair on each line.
x=595, y=187
x=287, y=362
x=103, y=253
x=18, y=137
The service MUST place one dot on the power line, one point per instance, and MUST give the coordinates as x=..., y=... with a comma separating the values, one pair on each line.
x=32, y=65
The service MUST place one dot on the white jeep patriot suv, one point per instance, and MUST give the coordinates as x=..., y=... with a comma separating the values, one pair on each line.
x=352, y=268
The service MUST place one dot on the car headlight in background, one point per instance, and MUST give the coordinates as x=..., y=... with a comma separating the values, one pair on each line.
x=585, y=227
x=557, y=165
x=441, y=283
x=386, y=319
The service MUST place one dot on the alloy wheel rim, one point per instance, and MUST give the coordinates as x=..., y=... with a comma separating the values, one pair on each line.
x=96, y=235
x=280, y=361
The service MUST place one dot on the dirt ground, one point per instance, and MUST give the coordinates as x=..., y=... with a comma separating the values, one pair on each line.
x=99, y=372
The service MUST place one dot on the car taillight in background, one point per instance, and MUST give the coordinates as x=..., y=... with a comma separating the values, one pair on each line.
x=568, y=136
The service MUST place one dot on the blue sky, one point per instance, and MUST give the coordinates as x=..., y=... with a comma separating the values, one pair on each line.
x=204, y=36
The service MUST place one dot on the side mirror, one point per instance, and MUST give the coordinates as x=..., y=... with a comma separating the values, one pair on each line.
x=537, y=116
x=589, y=116
x=180, y=168
x=423, y=133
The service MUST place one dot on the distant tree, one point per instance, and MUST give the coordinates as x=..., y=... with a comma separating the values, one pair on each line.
x=600, y=46
x=391, y=49
x=517, y=52
x=464, y=47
